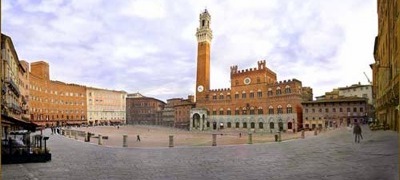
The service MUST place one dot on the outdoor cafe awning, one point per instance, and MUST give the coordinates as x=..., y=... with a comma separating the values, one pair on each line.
x=6, y=120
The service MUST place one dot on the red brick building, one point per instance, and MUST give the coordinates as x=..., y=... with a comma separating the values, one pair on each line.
x=256, y=100
x=177, y=112
x=54, y=103
x=143, y=110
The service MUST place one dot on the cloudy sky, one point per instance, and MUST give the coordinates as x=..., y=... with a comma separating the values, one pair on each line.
x=149, y=46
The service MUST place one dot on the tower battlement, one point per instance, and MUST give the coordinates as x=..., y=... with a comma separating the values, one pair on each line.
x=260, y=66
x=285, y=82
x=220, y=90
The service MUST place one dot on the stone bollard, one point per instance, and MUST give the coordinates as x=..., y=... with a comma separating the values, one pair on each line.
x=100, y=140
x=171, y=141
x=124, y=140
x=315, y=132
x=76, y=135
x=302, y=134
x=87, y=137
x=279, y=136
x=214, y=139
x=250, y=140
x=69, y=133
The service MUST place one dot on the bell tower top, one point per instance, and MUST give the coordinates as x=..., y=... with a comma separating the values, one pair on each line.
x=204, y=33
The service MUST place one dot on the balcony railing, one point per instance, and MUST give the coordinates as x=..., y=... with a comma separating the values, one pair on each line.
x=13, y=86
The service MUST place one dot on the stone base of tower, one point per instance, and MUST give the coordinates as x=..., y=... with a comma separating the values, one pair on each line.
x=198, y=119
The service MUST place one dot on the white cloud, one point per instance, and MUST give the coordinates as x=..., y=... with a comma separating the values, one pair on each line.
x=145, y=9
x=151, y=46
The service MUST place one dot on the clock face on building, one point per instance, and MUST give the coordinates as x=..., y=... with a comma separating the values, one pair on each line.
x=247, y=80
x=200, y=88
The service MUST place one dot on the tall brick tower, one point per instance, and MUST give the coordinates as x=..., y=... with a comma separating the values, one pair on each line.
x=204, y=36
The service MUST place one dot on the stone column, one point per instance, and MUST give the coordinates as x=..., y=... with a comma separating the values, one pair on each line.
x=124, y=140
x=250, y=140
x=214, y=139
x=87, y=137
x=76, y=135
x=302, y=134
x=69, y=133
x=171, y=141
x=315, y=132
x=100, y=140
x=191, y=124
x=201, y=124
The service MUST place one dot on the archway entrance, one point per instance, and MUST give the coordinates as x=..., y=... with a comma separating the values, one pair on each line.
x=196, y=121
x=261, y=125
x=280, y=124
x=289, y=125
x=214, y=125
x=221, y=125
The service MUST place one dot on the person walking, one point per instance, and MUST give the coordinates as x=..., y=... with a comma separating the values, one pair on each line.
x=138, y=138
x=357, y=132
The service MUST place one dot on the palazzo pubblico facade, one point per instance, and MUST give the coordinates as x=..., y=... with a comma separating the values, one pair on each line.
x=255, y=101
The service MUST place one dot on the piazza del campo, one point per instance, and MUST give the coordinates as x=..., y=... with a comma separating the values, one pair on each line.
x=260, y=127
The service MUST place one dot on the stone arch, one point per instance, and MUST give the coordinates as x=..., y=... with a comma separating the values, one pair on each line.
x=290, y=125
x=196, y=120
x=271, y=125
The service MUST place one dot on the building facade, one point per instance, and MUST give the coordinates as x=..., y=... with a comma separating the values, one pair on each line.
x=55, y=103
x=256, y=100
x=24, y=88
x=105, y=107
x=143, y=110
x=357, y=90
x=386, y=67
x=13, y=80
x=334, y=112
x=177, y=112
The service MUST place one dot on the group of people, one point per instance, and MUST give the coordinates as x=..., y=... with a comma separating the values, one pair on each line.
x=55, y=130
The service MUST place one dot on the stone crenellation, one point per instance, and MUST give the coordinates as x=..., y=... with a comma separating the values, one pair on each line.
x=220, y=90
x=285, y=82
x=261, y=66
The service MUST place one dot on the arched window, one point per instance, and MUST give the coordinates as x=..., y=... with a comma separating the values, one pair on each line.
x=221, y=111
x=261, y=125
x=280, y=111
x=289, y=109
x=259, y=93
x=244, y=112
x=229, y=124
x=278, y=91
x=270, y=92
x=252, y=125
x=251, y=95
x=252, y=110
x=287, y=89
x=245, y=125
x=260, y=110
x=271, y=125
x=270, y=110
x=237, y=125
